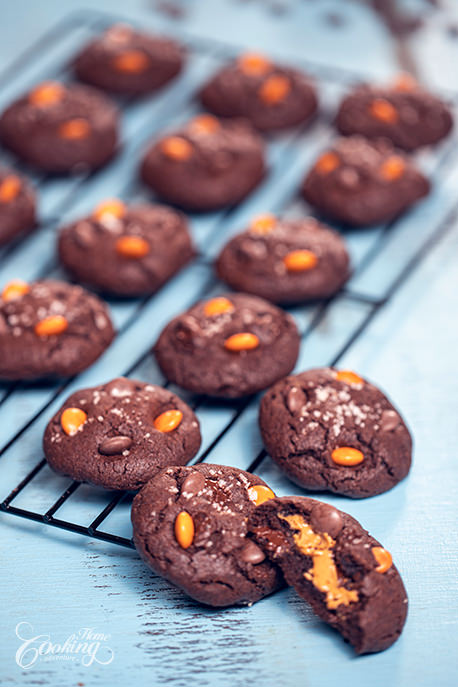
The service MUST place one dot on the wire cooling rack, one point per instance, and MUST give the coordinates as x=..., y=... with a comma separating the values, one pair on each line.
x=382, y=257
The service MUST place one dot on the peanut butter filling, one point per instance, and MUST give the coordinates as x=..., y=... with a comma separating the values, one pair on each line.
x=323, y=573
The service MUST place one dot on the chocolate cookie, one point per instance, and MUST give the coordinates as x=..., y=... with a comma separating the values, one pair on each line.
x=359, y=182
x=126, y=250
x=229, y=346
x=271, y=96
x=190, y=526
x=119, y=435
x=206, y=165
x=50, y=329
x=61, y=128
x=17, y=205
x=123, y=60
x=332, y=430
x=285, y=260
x=404, y=113
x=345, y=575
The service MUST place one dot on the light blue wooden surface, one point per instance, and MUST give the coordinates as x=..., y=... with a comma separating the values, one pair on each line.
x=56, y=583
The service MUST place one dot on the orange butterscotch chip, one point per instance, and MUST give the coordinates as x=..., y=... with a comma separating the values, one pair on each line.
x=217, y=306
x=75, y=129
x=384, y=111
x=253, y=64
x=349, y=377
x=109, y=208
x=383, y=558
x=258, y=493
x=300, y=260
x=54, y=324
x=405, y=82
x=245, y=341
x=72, y=419
x=168, y=421
x=15, y=289
x=9, y=188
x=176, y=148
x=263, y=224
x=274, y=89
x=184, y=529
x=393, y=168
x=327, y=162
x=48, y=93
x=205, y=124
x=132, y=247
x=344, y=455
x=131, y=61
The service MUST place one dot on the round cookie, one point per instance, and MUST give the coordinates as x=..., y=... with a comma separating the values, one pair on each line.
x=359, y=182
x=50, y=329
x=61, y=128
x=333, y=563
x=270, y=95
x=405, y=113
x=126, y=250
x=206, y=165
x=120, y=434
x=190, y=526
x=17, y=206
x=285, y=260
x=332, y=430
x=228, y=346
x=126, y=61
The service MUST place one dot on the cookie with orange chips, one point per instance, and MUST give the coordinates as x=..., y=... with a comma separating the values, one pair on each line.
x=206, y=165
x=229, y=346
x=404, y=113
x=360, y=182
x=332, y=430
x=120, y=434
x=126, y=250
x=345, y=574
x=123, y=60
x=17, y=205
x=61, y=128
x=270, y=95
x=190, y=526
x=50, y=329
x=285, y=260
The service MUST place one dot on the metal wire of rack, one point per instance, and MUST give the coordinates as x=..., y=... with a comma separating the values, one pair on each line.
x=283, y=200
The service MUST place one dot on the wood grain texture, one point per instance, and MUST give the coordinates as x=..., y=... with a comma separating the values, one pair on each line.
x=60, y=582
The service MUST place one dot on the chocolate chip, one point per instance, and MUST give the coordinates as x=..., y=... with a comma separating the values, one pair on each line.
x=193, y=483
x=389, y=420
x=295, y=400
x=121, y=387
x=251, y=553
x=325, y=518
x=115, y=445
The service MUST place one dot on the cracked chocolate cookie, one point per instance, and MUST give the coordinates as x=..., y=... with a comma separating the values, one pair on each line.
x=359, y=182
x=17, y=206
x=345, y=575
x=120, y=434
x=405, y=113
x=126, y=250
x=285, y=260
x=50, y=329
x=229, y=346
x=190, y=526
x=206, y=165
x=332, y=430
x=126, y=61
x=61, y=128
x=270, y=95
